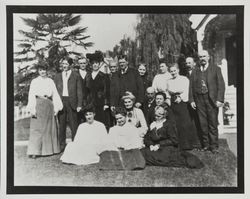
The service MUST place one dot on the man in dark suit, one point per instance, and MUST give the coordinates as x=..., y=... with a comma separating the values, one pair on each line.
x=190, y=65
x=69, y=86
x=206, y=95
x=129, y=80
x=149, y=105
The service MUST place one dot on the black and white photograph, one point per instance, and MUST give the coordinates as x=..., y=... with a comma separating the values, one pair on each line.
x=124, y=99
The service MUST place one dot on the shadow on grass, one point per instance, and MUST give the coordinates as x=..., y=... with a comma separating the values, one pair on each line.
x=219, y=171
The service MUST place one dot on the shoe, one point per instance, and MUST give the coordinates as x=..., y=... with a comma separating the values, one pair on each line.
x=205, y=148
x=215, y=151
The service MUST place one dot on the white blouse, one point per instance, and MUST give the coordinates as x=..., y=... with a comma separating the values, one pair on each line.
x=89, y=142
x=138, y=119
x=126, y=136
x=160, y=82
x=179, y=85
x=40, y=87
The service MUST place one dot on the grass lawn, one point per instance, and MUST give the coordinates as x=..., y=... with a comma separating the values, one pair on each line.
x=219, y=170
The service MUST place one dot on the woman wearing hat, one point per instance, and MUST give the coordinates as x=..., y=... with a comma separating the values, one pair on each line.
x=44, y=103
x=135, y=115
x=98, y=85
x=88, y=142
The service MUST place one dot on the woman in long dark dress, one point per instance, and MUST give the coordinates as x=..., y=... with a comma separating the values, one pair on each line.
x=97, y=84
x=178, y=87
x=162, y=145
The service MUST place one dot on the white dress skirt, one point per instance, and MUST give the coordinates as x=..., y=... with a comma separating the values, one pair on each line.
x=87, y=145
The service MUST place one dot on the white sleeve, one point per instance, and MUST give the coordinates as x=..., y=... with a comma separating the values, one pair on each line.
x=31, y=106
x=143, y=122
x=57, y=102
x=185, y=85
x=154, y=83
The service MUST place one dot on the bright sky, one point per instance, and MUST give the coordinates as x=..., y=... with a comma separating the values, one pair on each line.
x=106, y=30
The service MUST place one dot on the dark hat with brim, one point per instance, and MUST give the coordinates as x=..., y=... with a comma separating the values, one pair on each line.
x=97, y=56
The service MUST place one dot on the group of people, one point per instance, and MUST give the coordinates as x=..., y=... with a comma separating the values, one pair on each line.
x=123, y=110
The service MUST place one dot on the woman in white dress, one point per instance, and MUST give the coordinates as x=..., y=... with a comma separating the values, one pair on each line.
x=135, y=115
x=43, y=103
x=124, y=135
x=122, y=145
x=88, y=143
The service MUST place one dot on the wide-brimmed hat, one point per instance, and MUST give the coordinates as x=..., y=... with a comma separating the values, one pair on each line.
x=97, y=56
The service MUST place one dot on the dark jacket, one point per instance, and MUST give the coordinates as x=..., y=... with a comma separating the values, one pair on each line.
x=149, y=111
x=114, y=89
x=146, y=82
x=74, y=88
x=131, y=81
x=215, y=84
x=85, y=90
x=98, y=89
x=165, y=136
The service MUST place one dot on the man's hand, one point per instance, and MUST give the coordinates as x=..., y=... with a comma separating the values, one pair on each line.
x=193, y=105
x=78, y=109
x=137, y=104
x=105, y=107
x=219, y=104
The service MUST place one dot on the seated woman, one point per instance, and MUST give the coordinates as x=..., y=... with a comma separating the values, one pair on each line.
x=135, y=115
x=122, y=145
x=124, y=135
x=162, y=145
x=88, y=142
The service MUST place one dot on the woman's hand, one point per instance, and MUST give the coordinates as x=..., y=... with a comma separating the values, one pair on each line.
x=154, y=147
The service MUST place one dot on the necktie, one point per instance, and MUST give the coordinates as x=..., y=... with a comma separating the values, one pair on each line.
x=66, y=74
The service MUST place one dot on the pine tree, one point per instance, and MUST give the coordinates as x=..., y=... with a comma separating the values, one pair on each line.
x=50, y=39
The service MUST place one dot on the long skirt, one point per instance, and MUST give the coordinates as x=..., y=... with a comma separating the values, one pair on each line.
x=43, y=138
x=187, y=134
x=170, y=156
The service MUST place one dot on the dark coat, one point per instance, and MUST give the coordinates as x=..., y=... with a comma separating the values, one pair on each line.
x=215, y=81
x=165, y=136
x=131, y=81
x=114, y=89
x=74, y=88
x=98, y=89
x=85, y=90
x=146, y=82
x=149, y=111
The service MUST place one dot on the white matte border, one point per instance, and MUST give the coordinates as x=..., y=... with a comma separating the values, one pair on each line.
x=125, y=2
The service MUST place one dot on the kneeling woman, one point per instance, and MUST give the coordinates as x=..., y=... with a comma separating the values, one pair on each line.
x=87, y=145
x=162, y=145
